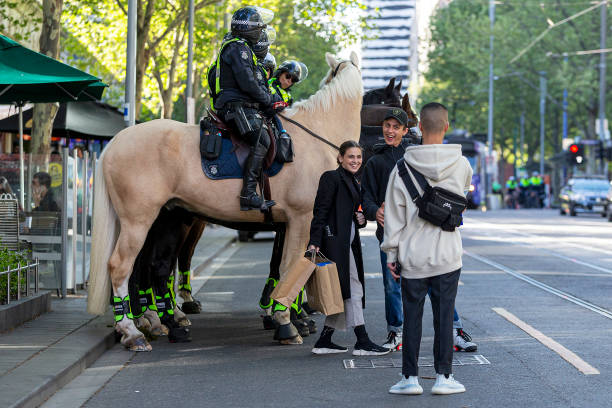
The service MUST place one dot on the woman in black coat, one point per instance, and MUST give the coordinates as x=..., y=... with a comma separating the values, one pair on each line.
x=334, y=232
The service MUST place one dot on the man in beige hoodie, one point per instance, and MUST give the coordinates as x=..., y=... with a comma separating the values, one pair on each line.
x=430, y=258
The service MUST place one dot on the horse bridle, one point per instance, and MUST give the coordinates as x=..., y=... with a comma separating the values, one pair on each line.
x=304, y=128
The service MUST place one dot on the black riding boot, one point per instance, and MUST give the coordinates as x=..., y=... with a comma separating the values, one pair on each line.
x=249, y=199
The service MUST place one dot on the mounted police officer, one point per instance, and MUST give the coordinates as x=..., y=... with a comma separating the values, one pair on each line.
x=286, y=75
x=240, y=95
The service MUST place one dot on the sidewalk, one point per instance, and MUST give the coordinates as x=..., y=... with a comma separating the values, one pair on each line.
x=44, y=354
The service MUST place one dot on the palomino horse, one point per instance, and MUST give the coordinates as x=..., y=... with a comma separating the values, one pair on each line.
x=156, y=163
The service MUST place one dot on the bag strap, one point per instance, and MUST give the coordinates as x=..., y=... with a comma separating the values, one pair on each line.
x=403, y=172
x=419, y=178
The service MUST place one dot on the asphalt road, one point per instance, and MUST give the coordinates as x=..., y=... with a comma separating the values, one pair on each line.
x=535, y=294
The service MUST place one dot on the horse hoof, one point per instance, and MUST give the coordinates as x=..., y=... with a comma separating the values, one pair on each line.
x=179, y=335
x=191, y=307
x=291, y=342
x=269, y=323
x=302, y=327
x=140, y=344
x=285, y=332
x=159, y=331
x=312, y=325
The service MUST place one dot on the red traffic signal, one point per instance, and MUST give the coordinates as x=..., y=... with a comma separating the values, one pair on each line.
x=574, y=148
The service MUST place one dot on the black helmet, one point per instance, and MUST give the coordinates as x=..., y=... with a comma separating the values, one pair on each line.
x=248, y=23
x=296, y=69
x=269, y=62
x=267, y=38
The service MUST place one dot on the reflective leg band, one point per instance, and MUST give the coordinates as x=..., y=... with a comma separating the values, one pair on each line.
x=266, y=301
x=147, y=300
x=121, y=308
x=297, y=304
x=164, y=305
x=185, y=283
x=279, y=307
x=171, y=289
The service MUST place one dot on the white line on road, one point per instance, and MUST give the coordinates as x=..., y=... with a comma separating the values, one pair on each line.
x=565, y=354
x=549, y=289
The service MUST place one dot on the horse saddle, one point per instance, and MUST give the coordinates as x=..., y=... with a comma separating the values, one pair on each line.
x=212, y=132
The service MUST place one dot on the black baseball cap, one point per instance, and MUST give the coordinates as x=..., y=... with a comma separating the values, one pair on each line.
x=397, y=114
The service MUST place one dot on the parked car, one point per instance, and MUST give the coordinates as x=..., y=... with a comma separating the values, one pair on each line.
x=585, y=195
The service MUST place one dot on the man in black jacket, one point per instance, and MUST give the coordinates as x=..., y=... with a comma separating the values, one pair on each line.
x=240, y=95
x=373, y=188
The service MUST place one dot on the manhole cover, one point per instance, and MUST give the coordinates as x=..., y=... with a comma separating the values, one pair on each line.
x=476, y=359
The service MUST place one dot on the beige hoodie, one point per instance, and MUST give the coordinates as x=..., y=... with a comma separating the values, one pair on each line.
x=423, y=249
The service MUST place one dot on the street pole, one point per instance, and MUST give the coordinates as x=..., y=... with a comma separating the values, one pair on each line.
x=542, y=117
x=490, y=121
x=522, y=142
x=565, y=105
x=602, y=78
x=515, y=134
x=129, y=114
x=189, y=91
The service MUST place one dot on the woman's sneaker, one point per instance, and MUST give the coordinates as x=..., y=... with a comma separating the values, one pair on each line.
x=407, y=386
x=446, y=386
x=394, y=341
x=327, y=347
x=463, y=341
x=367, y=348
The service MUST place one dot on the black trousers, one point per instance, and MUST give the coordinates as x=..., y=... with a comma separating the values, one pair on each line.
x=442, y=295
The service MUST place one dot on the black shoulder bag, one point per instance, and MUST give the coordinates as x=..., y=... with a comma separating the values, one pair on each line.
x=438, y=206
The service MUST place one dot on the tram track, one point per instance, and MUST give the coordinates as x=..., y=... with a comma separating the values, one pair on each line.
x=547, y=288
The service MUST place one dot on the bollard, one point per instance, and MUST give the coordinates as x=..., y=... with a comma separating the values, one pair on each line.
x=28, y=280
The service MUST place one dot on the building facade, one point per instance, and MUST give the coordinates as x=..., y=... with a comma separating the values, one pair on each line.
x=393, y=50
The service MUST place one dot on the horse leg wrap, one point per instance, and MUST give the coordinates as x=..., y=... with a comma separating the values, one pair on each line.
x=185, y=281
x=147, y=300
x=170, y=285
x=164, y=305
x=121, y=308
x=194, y=307
x=300, y=325
x=266, y=301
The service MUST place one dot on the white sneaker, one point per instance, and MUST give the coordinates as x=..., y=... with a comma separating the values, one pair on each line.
x=407, y=386
x=446, y=386
x=394, y=341
x=463, y=341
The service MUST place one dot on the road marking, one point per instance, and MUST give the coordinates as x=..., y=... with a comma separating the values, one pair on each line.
x=565, y=354
x=556, y=254
x=563, y=295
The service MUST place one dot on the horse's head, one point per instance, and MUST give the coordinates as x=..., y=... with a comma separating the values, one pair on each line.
x=336, y=66
x=389, y=95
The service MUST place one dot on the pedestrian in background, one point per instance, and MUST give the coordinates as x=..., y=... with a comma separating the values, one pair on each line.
x=334, y=231
x=430, y=257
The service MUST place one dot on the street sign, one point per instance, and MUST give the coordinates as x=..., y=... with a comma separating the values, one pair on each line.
x=606, y=129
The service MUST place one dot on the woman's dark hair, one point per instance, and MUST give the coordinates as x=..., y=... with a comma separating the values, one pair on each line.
x=347, y=145
x=44, y=179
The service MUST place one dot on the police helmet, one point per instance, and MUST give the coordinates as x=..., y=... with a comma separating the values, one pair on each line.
x=297, y=70
x=249, y=22
x=269, y=62
x=265, y=40
x=535, y=174
x=511, y=178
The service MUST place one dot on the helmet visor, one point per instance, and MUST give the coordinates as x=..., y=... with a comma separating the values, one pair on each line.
x=271, y=33
x=265, y=14
x=300, y=72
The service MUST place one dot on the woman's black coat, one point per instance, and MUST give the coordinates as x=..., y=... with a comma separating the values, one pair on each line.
x=337, y=200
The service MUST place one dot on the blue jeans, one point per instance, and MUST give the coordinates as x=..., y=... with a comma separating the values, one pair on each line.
x=393, y=300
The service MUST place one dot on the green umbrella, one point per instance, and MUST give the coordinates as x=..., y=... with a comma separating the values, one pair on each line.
x=28, y=76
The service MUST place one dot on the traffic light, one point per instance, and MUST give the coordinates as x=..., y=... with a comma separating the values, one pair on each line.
x=576, y=154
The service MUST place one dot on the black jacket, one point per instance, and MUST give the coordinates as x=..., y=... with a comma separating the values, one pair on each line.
x=334, y=211
x=239, y=80
x=375, y=178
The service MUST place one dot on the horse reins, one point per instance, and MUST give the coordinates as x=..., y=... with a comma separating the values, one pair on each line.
x=310, y=132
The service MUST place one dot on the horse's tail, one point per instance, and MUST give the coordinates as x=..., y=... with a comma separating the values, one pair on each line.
x=103, y=239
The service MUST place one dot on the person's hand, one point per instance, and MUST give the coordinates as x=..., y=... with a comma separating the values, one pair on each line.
x=279, y=106
x=313, y=248
x=380, y=215
x=393, y=269
x=360, y=218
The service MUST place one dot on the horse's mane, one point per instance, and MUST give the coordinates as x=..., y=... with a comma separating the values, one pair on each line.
x=346, y=85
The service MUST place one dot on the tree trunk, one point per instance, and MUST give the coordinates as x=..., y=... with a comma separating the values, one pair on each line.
x=44, y=114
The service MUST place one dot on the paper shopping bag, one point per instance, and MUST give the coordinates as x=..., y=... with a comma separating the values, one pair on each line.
x=323, y=289
x=293, y=281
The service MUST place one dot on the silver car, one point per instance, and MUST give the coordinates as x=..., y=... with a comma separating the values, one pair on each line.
x=585, y=195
